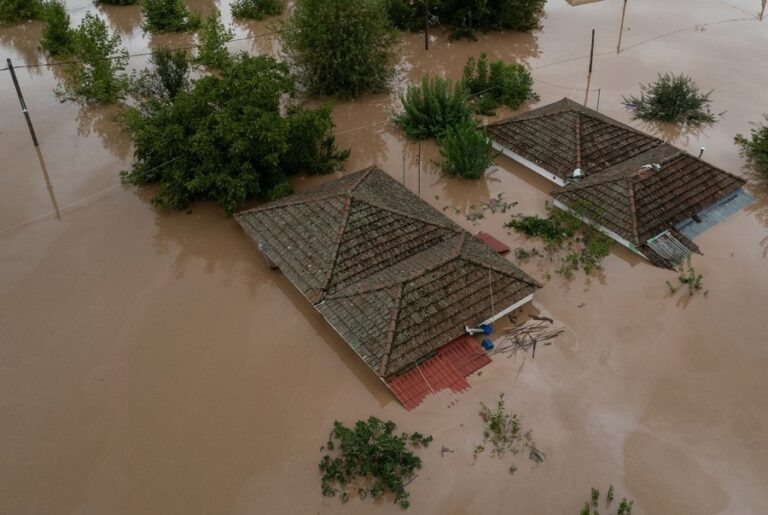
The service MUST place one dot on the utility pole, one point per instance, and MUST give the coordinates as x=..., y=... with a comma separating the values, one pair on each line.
x=589, y=75
x=621, y=29
x=418, y=187
x=21, y=101
x=762, y=11
x=426, y=24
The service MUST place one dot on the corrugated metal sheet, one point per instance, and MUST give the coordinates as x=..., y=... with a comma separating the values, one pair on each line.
x=715, y=213
x=669, y=247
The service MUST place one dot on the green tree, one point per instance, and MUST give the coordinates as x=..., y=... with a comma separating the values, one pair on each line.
x=99, y=71
x=212, y=51
x=466, y=151
x=434, y=107
x=225, y=139
x=497, y=83
x=168, y=77
x=57, y=33
x=117, y=2
x=168, y=16
x=673, y=99
x=756, y=147
x=15, y=11
x=341, y=47
x=256, y=9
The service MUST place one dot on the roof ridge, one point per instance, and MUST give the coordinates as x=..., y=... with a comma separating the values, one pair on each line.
x=596, y=115
x=278, y=205
x=363, y=176
x=633, y=211
x=449, y=223
x=339, y=238
x=394, y=319
x=577, y=143
x=526, y=279
x=534, y=115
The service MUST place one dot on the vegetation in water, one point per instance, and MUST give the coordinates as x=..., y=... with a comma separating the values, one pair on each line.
x=755, y=147
x=168, y=16
x=256, y=9
x=590, y=507
x=431, y=109
x=117, y=2
x=211, y=51
x=464, y=18
x=674, y=99
x=466, y=152
x=97, y=72
x=57, y=33
x=503, y=432
x=15, y=11
x=226, y=138
x=167, y=76
x=689, y=278
x=370, y=459
x=578, y=245
x=341, y=48
x=497, y=83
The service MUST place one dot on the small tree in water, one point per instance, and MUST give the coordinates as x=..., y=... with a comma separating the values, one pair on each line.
x=15, y=11
x=256, y=9
x=467, y=152
x=497, y=83
x=673, y=99
x=99, y=71
x=117, y=2
x=168, y=16
x=756, y=147
x=372, y=459
x=213, y=36
x=431, y=109
x=168, y=77
x=341, y=48
x=57, y=33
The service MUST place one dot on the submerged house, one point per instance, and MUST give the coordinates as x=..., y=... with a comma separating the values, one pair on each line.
x=397, y=279
x=650, y=196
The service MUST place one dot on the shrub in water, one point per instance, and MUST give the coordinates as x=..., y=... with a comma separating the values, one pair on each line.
x=168, y=77
x=57, y=34
x=256, y=9
x=168, y=16
x=118, y=2
x=14, y=11
x=341, y=47
x=372, y=455
x=497, y=83
x=756, y=147
x=100, y=73
x=431, y=109
x=213, y=36
x=674, y=99
x=466, y=151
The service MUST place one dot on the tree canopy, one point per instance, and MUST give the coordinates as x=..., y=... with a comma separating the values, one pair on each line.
x=226, y=139
x=14, y=11
x=341, y=48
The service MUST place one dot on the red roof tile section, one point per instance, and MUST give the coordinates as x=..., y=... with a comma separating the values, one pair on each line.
x=496, y=245
x=448, y=369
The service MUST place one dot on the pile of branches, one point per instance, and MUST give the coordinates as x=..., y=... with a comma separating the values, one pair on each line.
x=526, y=337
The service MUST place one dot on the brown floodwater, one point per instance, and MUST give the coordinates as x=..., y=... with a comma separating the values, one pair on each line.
x=150, y=362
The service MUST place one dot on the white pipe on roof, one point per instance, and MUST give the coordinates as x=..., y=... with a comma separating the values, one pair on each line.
x=528, y=164
x=510, y=309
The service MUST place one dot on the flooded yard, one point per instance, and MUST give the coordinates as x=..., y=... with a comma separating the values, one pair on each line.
x=150, y=362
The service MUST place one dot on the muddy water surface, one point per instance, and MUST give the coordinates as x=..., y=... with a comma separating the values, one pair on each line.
x=150, y=363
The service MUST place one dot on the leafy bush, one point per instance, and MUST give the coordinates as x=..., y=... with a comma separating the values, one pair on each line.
x=756, y=147
x=256, y=9
x=14, y=11
x=118, y=2
x=98, y=73
x=57, y=33
x=410, y=14
x=674, y=99
x=431, y=109
x=341, y=47
x=168, y=16
x=497, y=84
x=372, y=458
x=213, y=36
x=168, y=77
x=225, y=139
x=467, y=152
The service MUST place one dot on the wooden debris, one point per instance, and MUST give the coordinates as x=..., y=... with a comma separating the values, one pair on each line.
x=527, y=336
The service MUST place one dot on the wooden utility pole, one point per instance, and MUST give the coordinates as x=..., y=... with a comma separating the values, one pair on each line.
x=589, y=74
x=418, y=183
x=762, y=11
x=21, y=101
x=621, y=29
x=426, y=24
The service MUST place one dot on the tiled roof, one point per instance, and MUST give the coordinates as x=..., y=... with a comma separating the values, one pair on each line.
x=564, y=135
x=638, y=201
x=395, y=277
